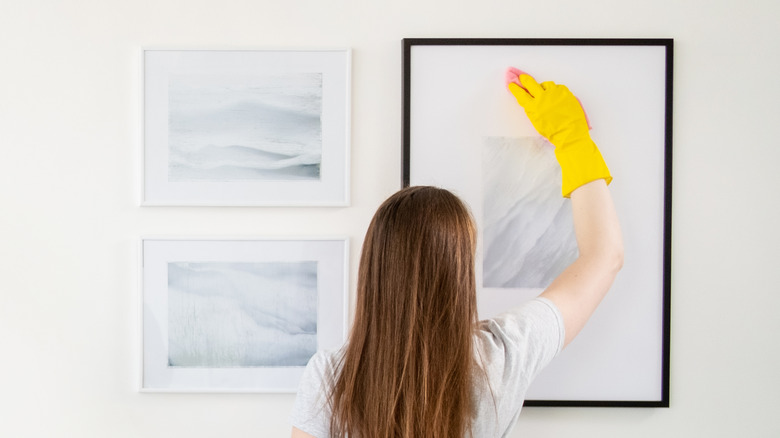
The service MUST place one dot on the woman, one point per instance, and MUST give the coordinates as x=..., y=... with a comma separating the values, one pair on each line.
x=418, y=363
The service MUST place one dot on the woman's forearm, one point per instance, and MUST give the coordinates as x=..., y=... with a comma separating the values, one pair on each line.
x=581, y=287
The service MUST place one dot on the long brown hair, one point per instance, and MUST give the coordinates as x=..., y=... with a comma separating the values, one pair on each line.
x=408, y=368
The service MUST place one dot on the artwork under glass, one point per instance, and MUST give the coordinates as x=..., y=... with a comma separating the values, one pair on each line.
x=242, y=314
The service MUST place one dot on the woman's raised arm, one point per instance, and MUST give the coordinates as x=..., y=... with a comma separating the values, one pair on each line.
x=557, y=114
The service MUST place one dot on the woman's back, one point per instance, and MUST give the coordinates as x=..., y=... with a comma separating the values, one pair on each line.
x=416, y=305
x=510, y=350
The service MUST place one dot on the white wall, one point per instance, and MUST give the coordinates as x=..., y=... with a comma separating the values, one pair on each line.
x=69, y=135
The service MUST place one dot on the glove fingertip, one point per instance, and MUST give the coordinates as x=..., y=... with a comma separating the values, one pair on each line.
x=520, y=93
x=529, y=83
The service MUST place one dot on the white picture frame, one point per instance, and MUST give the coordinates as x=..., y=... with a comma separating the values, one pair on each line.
x=238, y=314
x=464, y=131
x=245, y=127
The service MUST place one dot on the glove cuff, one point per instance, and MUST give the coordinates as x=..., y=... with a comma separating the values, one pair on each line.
x=581, y=162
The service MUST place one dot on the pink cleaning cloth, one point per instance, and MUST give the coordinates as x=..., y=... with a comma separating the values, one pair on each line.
x=512, y=76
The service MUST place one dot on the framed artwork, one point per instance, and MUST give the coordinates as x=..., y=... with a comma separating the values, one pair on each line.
x=246, y=127
x=465, y=132
x=223, y=315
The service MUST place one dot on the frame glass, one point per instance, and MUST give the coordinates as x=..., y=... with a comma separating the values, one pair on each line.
x=239, y=315
x=465, y=132
x=246, y=127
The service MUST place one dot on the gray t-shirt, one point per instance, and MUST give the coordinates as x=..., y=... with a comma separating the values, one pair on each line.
x=512, y=347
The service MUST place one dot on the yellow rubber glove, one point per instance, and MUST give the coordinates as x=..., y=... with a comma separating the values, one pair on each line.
x=556, y=113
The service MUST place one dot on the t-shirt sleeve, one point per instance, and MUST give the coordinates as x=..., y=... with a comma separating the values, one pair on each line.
x=311, y=413
x=523, y=340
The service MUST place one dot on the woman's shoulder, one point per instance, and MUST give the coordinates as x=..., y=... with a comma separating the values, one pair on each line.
x=311, y=413
x=538, y=314
x=324, y=362
x=521, y=340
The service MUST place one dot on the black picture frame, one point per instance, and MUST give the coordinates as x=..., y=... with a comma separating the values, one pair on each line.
x=665, y=44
